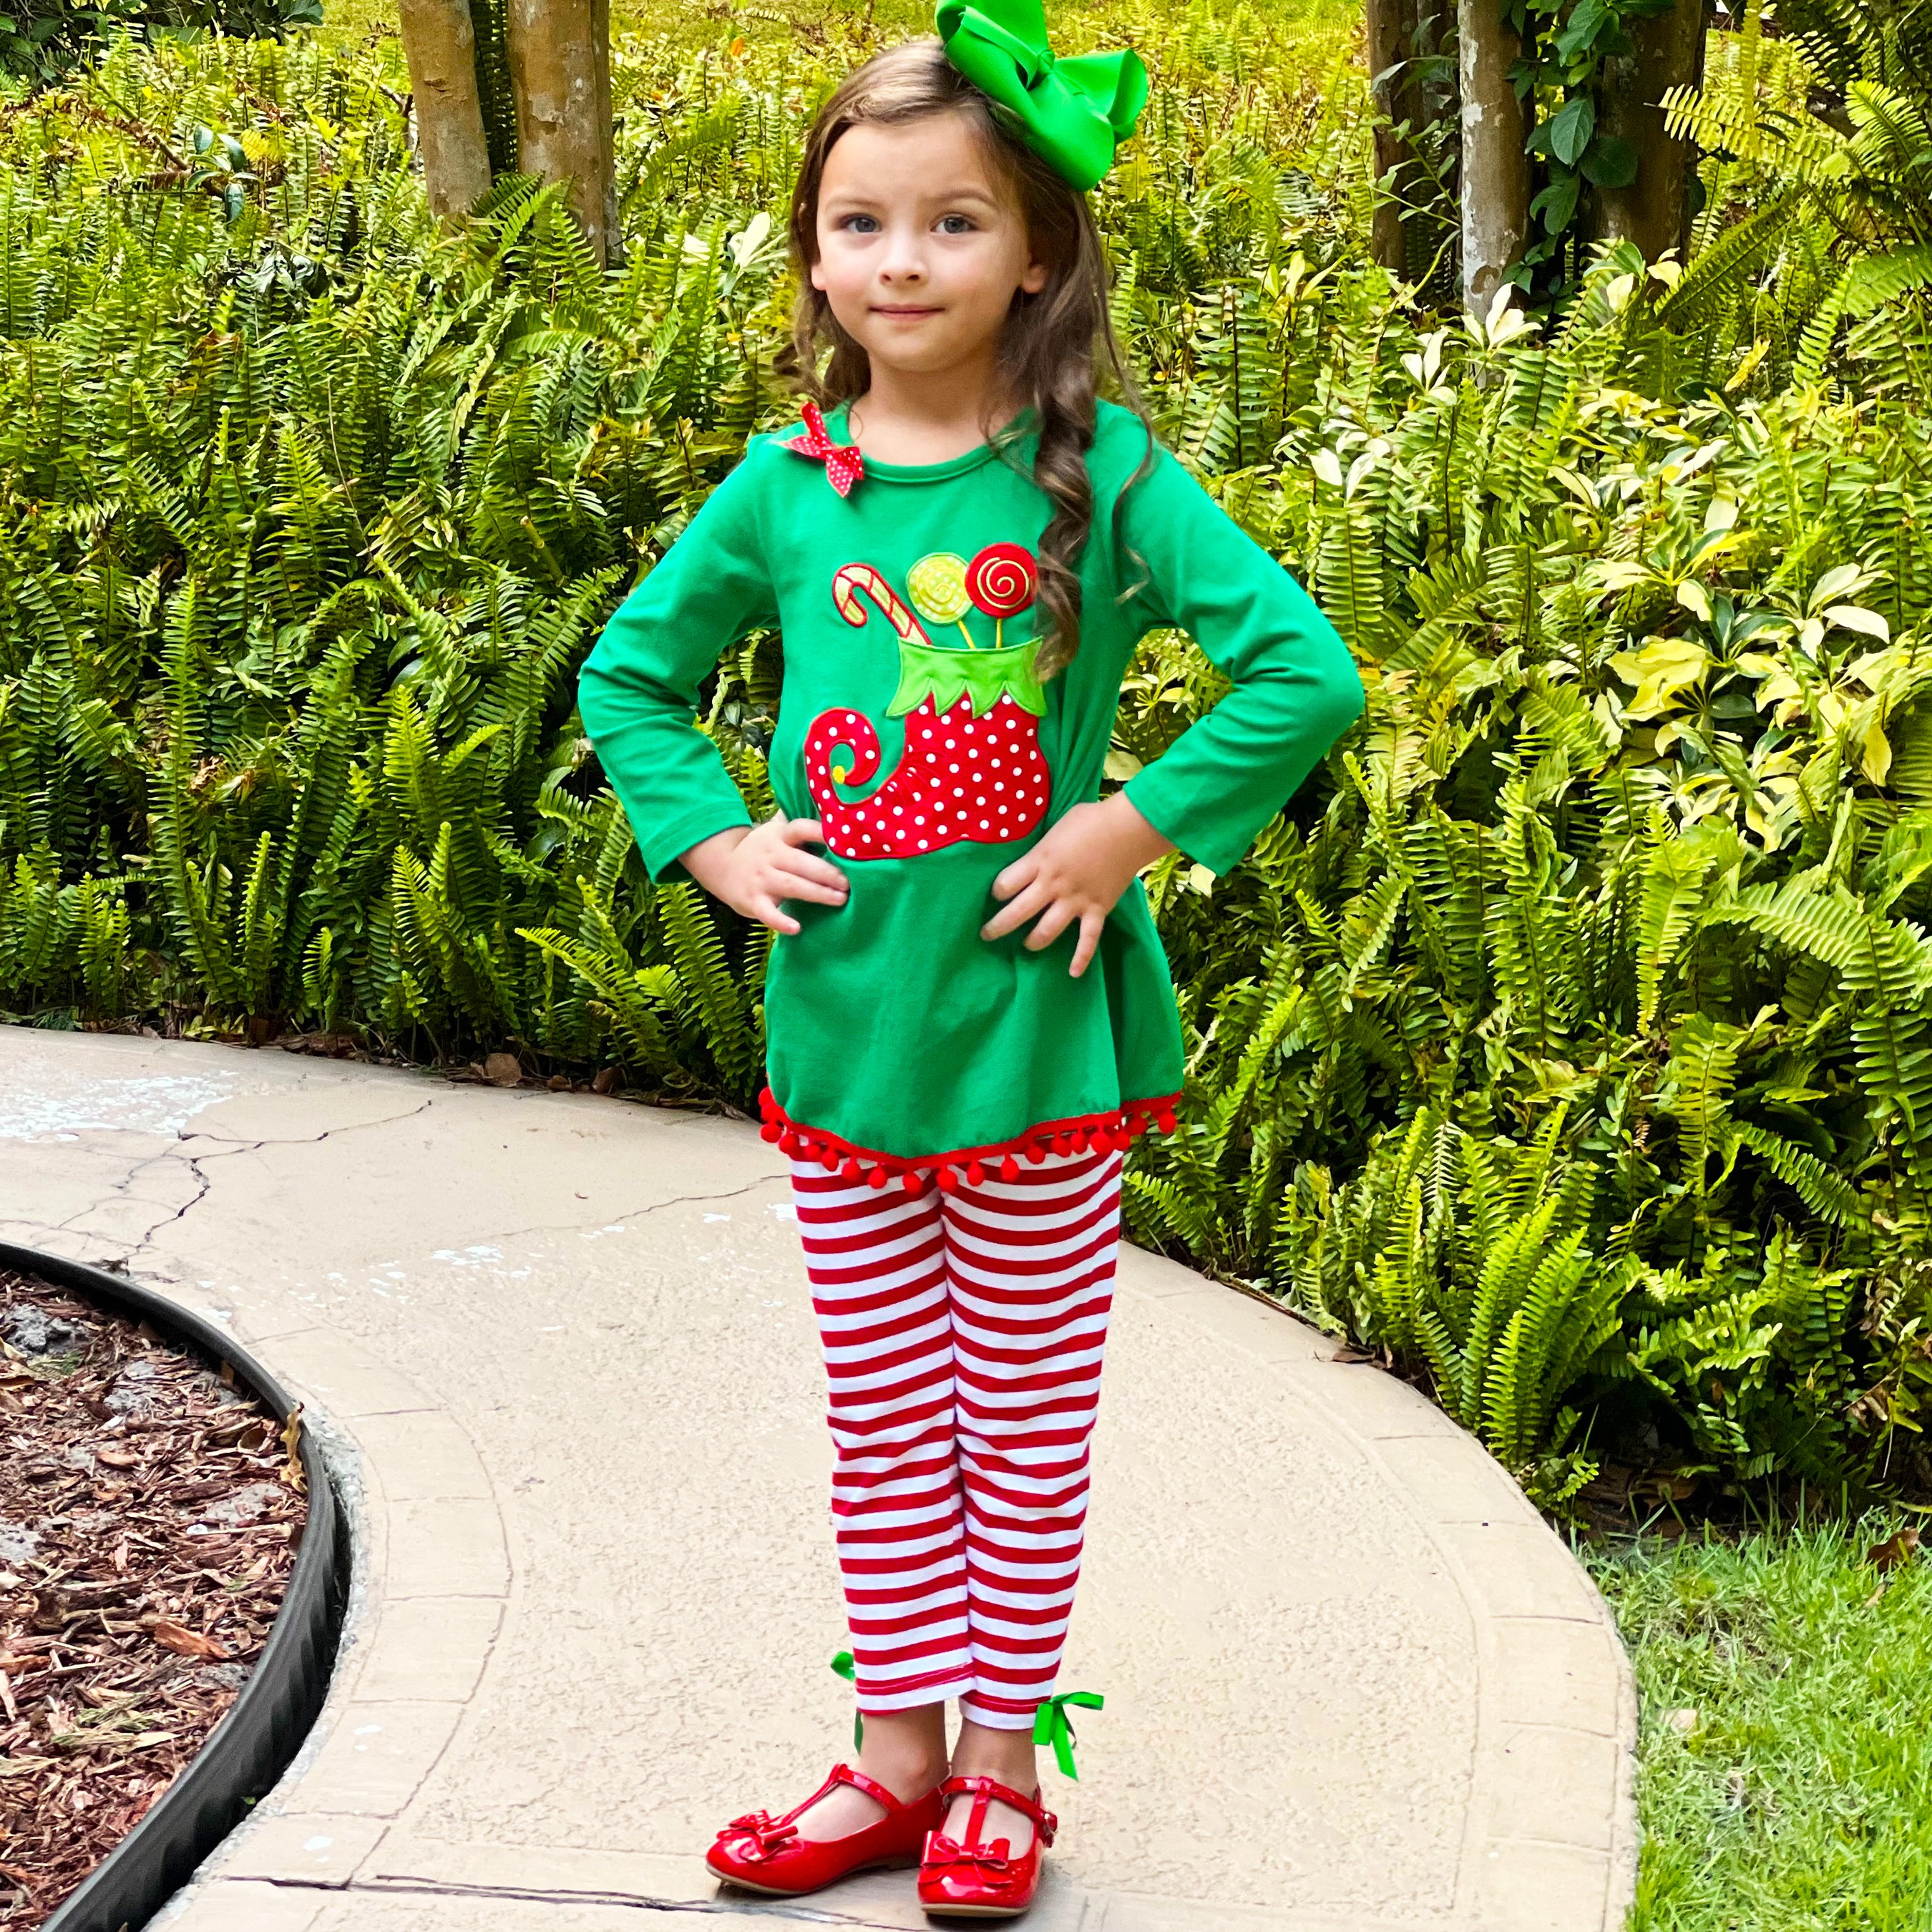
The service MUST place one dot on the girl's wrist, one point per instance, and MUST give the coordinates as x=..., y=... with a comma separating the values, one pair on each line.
x=1139, y=840
x=709, y=861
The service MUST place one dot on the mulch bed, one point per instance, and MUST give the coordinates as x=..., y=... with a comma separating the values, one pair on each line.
x=150, y=1514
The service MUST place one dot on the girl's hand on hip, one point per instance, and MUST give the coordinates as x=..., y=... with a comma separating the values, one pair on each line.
x=1077, y=872
x=753, y=870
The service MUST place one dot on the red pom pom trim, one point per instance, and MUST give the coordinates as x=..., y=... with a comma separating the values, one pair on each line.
x=1115, y=1130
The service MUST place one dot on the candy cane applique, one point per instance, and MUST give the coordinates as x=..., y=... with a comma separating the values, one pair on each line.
x=854, y=581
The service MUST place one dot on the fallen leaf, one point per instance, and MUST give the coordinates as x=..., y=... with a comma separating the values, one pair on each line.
x=504, y=1069
x=1683, y=1722
x=117, y=1459
x=185, y=1642
x=1347, y=1355
x=1672, y=1489
x=603, y=1080
x=1894, y=1550
x=292, y=1472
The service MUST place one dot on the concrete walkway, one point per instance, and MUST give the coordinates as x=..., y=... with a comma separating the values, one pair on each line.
x=563, y=1343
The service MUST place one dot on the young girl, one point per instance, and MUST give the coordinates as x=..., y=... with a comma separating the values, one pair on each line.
x=969, y=1011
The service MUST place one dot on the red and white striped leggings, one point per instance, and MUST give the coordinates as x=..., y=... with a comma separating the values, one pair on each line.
x=963, y=1335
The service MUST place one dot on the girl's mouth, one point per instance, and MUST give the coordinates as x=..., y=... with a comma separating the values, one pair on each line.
x=902, y=313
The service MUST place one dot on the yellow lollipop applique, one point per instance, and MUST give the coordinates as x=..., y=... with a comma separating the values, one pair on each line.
x=938, y=585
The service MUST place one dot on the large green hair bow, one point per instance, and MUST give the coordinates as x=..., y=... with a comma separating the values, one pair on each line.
x=1073, y=112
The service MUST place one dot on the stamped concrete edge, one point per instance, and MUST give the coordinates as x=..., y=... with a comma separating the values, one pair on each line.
x=1551, y=1835
x=333, y=1804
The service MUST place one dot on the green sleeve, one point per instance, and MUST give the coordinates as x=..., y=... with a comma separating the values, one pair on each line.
x=1295, y=689
x=637, y=693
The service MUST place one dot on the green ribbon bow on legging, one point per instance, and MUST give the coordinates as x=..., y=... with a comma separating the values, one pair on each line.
x=1073, y=112
x=1051, y=1725
x=843, y=1666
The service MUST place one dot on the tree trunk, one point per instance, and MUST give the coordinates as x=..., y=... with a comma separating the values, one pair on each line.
x=441, y=49
x=563, y=120
x=1495, y=170
x=1391, y=31
x=600, y=40
x=1654, y=211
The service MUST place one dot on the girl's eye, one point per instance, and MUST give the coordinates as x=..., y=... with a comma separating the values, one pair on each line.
x=956, y=224
x=861, y=224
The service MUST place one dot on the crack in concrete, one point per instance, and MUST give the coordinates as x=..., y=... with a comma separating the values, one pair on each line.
x=720, y=1908
x=633, y=1213
x=224, y=1146
x=120, y=1190
x=304, y=1140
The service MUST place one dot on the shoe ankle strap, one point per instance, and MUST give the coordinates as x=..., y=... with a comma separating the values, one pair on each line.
x=843, y=1773
x=984, y=1790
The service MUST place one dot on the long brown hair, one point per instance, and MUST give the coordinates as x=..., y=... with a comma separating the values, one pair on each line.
x=1052, y=341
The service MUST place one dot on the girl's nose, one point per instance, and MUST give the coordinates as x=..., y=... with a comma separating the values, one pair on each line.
x=904, y=259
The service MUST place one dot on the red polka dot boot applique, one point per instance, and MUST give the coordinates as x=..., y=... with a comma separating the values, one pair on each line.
x=972, y=768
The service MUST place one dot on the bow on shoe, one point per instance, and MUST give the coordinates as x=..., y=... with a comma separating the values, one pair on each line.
x=1071, y=112
x=767, y=1837
x=990, y=1861
x=844, y=463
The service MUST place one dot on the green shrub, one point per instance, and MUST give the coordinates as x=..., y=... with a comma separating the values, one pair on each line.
x=1568, y=1039
x=40, y=40
x=1626, y=862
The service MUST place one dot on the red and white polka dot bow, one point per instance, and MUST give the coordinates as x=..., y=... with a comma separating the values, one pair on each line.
x=843, y=463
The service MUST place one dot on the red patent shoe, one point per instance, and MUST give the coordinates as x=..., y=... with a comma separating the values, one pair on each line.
x=766, y=1854
x=977, y=1880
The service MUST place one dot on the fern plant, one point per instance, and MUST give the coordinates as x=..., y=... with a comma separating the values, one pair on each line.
x=1568, y=1040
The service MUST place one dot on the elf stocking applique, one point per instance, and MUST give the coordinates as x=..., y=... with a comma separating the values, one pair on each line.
x=972, y=768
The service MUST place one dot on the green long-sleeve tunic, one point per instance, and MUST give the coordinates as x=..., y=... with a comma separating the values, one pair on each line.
x=912, y=723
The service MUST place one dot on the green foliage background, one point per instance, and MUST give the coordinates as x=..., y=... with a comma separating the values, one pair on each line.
x=40, y=39
x=1569, y=1040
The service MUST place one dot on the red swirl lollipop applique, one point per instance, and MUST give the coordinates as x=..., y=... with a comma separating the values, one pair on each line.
x=1002, y=581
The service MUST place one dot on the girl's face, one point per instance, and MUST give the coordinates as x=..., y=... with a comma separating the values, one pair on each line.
x=921, y=247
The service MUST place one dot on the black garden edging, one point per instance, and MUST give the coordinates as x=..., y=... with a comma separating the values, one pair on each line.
x=262, y=1730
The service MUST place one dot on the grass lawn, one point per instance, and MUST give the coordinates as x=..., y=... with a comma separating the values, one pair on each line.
x=1786, y=1767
